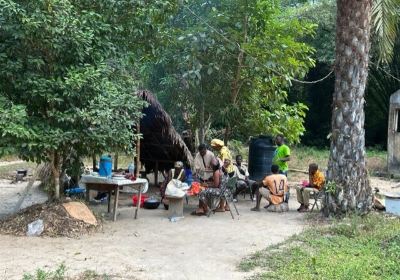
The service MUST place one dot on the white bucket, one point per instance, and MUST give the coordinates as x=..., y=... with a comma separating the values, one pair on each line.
x=392, y=203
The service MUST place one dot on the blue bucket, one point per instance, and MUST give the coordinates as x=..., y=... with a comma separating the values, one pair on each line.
x=105, y=166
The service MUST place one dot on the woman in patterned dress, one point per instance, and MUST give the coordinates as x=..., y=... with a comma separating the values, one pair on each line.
x=212, y=191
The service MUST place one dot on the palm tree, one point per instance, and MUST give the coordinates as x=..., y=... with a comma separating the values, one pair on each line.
x=347, y=165
x=385, y=25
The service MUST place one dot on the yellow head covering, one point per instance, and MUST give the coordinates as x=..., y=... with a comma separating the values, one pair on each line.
x=217, y=143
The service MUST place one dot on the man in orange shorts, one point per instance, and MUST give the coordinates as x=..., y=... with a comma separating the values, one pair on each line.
x=273, y=188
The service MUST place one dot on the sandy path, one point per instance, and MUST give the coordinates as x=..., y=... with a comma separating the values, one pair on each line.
x=154, y=248
x=12, y=194
x=6, y=163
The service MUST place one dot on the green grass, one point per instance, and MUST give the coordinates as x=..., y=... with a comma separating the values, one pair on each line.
x=302, y=156
x=7, y=171
x=353, y=248
x=59, y=274
x=40, y=274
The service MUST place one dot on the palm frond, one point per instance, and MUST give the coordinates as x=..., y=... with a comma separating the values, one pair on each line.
x=385, y=22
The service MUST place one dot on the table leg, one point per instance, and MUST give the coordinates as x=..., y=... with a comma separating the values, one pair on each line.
x=109, y=201
x=138, y=204
x=87, y=193
x=116, y=203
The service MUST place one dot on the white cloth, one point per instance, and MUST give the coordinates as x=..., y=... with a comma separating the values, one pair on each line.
x=240, y=175
x=113, y=181
x=175, y=189
x=202, y=165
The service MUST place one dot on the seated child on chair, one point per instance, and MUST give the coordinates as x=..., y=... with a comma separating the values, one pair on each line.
x=315, y=184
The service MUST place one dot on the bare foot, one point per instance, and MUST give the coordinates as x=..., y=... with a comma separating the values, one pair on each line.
x=198, y=212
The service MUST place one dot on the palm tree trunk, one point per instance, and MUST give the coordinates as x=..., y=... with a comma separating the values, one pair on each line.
x=347, y=165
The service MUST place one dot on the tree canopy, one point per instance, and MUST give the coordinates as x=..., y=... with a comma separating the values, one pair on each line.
x=67, y=78
x=225, y=59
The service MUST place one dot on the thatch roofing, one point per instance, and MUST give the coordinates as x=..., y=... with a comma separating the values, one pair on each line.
x=161, y=142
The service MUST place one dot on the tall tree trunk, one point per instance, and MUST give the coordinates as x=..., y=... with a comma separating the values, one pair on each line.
x=347, y=165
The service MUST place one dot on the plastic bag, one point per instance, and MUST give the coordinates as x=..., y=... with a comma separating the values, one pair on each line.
x=35, y=228
x=174, y=189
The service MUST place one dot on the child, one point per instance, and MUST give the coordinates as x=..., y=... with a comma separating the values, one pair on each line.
x=315, y=184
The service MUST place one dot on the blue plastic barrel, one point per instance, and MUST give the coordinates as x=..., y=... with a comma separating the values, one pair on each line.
x=105, y=167
x=261, y=152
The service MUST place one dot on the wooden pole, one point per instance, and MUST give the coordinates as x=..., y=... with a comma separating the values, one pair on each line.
x=138, y=169
x=138, y=151
x=156, y=174
x=94, y=162
x=116, y=162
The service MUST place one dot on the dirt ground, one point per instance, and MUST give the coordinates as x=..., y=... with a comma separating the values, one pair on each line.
x=152, y=247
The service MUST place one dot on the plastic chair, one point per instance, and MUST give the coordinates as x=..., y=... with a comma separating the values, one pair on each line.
x=227, y=185
x=317, y=196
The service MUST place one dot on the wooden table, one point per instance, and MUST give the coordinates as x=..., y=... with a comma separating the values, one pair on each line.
x=110, y=185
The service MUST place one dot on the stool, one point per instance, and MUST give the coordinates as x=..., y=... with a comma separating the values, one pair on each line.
x=175, y=207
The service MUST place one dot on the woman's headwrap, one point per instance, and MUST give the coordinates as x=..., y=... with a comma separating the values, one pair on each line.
x=217, y=143
x=178, y=164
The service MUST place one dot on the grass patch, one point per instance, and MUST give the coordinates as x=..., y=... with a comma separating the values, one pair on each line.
x=8, y=171
x=352, y=248
x=40, y=274
x=60, y=274
x=302, y=156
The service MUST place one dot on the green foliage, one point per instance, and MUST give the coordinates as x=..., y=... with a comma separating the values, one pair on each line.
x=222, y=55
x=385, y=25
x=58, y=274
x=330, y=187
x=67, y=74
x=284, y=119
x=353, y=248
x=323, y=14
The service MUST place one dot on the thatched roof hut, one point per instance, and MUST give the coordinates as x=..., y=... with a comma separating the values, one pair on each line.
x=161, y=143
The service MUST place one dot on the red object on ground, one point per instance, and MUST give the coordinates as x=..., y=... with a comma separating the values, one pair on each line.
x=196, y=188
x=135, y=198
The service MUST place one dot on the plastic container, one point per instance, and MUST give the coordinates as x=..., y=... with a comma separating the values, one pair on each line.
x=131, y=168
x=135, y=199
x=392, y=203
x=189, y=176
x=261, y=153
x=105, y=167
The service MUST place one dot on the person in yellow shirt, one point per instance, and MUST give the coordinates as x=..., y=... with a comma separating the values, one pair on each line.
x=315, y=184
x=273, y=188
x=223, y=153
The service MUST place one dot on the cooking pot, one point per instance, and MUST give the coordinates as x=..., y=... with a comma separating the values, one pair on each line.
x=151, y=203
x=22, y=172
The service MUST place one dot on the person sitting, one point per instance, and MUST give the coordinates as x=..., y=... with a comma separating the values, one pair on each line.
x=202, y=164
x=315, y=184
x=178, y=172
x=243, y=181
x=225, y=168
x=222, y=152
x=212, y=191
x=273, y=188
